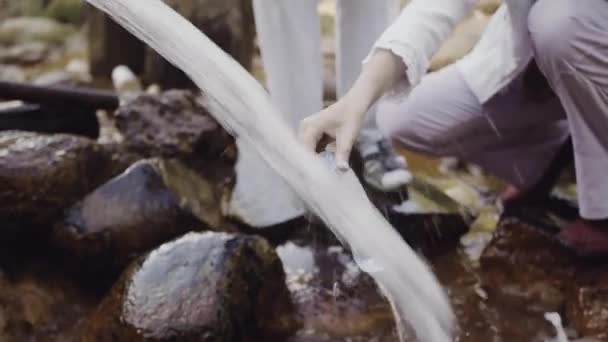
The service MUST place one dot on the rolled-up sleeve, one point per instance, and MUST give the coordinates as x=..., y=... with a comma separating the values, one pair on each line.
x=420, y=31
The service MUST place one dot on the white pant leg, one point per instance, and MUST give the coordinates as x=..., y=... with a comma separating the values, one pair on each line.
x=510, y=136
x=289, y=34
x=571, y=47
x=359, y=23
x=290, y=41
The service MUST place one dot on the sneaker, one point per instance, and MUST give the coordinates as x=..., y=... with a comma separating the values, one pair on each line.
x=385, y=170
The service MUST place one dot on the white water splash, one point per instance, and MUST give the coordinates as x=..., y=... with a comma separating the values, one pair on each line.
x=555, y=319
x=243, y=107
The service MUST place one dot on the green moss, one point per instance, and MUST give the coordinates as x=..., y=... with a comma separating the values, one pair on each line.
x=69, y=11
x=27, y=7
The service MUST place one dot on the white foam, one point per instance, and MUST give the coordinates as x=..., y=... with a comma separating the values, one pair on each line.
x=243, y=107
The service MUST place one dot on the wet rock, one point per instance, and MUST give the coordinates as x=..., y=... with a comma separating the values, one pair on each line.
x=24, y=54
x=429, y=233
x=38, y=303
x=33, y=29
x=40, y=175
x=176, y=125
x=486, y=317
x=152, y=202
x=527, y=265
x=588, y=308
x=228, y=23
x=201, y=287
x=336, y=300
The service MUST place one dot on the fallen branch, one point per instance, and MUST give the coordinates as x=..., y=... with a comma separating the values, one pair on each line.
x=59, y=96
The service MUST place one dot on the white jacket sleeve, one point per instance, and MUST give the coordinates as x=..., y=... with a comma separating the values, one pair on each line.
x=420, y=31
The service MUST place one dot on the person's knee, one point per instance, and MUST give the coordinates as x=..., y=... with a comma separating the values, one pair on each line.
x=553, y=27
x=406, y=125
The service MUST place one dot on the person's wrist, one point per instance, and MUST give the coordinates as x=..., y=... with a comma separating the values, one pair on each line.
x=353, y=106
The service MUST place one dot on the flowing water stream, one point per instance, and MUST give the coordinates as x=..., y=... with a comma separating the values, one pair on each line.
x=243, y=107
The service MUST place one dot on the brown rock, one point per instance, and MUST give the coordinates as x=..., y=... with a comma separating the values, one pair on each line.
x=40, y=175
x=150, y=203
x=37, y=303
x=588, y=310
x=526, y=264
x=201, y=287
x=431, y=234
x=174, y=123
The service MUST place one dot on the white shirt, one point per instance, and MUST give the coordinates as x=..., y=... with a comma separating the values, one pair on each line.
x=503, y=52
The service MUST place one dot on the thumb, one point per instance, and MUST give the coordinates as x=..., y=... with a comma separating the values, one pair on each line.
x=309, y=134
x=343, y=148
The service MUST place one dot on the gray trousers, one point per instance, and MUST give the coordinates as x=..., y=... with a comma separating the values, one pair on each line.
x=514, y=135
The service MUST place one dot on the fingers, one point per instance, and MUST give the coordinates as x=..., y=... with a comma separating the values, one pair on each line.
x=344, y=145
x=310, y=134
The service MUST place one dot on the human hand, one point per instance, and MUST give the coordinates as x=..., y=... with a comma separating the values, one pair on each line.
x=340, y=121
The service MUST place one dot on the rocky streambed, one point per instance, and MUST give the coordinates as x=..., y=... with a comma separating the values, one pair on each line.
x=127, y=240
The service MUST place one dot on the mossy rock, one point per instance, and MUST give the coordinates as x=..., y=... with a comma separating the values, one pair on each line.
x=69, y=11
x=34, y=29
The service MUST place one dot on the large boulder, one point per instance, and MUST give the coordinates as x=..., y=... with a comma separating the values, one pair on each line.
x=177, y=125
x=229, y=24
x=40, y=175
x=152, y=202
x=527, y=265
x=201, y=287
x=174, y=124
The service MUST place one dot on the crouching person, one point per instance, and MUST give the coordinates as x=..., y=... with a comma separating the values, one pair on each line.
x=480, y=109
